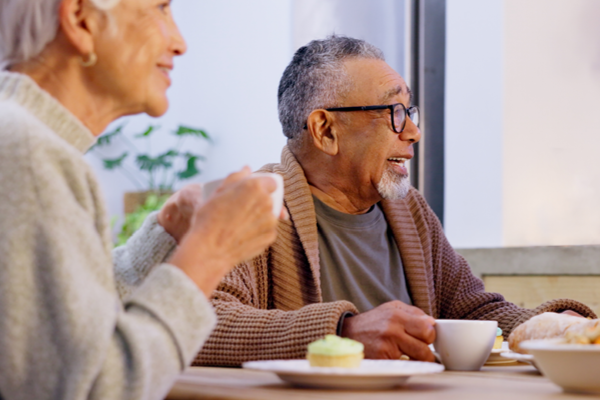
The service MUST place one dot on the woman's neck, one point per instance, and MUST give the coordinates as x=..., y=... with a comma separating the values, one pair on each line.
x=65, y=80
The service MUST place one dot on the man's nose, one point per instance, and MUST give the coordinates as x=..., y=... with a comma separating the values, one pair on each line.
x=411, y=132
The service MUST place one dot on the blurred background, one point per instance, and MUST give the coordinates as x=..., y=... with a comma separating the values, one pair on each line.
x=508, y=88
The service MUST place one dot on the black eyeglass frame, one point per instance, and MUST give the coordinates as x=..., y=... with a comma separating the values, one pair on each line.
x=407, y=112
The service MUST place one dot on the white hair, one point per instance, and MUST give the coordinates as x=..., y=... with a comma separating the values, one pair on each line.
x=393, y=186
x=27, y=26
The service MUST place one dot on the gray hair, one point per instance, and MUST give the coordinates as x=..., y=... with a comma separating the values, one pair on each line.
x=27, y=26
x=316, y=78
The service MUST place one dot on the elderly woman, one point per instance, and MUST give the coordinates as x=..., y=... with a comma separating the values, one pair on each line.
x=74, y=324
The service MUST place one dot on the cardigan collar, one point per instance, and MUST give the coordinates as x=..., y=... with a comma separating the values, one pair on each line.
x=298, y=199
x=23, y=90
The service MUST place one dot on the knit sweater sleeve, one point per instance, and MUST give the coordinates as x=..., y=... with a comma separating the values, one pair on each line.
x=146, y=248
x=64, y=333
x=248, y=331
x=461, y=295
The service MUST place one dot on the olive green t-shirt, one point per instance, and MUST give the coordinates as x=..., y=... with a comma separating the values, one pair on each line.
x=360, y=260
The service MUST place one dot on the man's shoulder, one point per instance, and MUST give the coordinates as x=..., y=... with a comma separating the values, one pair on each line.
x=268, y=167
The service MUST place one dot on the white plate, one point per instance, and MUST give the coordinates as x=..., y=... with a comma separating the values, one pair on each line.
x=372, y=374
x=512, y=356
x=495, y=357
x=574, y=367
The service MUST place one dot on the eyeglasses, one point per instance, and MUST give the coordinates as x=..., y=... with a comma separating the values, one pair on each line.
x=398, y=113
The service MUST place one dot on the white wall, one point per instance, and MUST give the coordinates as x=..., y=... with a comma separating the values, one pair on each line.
x=552, y=134
x=379, y=22
x=225, y=84
x=523, y=79
x=474, y=123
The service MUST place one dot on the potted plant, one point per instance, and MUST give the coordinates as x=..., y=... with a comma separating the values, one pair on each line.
x=154, y=175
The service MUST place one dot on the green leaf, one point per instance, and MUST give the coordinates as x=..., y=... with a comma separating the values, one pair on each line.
x=105, y=139
x=148, y=131
x=114, y=162
x=198, y=156
x=186, y=130
x=134, y=220
x=191, y=169
x=147, y=163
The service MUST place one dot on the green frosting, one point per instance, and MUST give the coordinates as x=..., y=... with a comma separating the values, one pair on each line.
x=498, y=332
x=333, y=345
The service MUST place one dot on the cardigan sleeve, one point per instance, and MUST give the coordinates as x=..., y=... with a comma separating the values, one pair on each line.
x=248, y=331
x=461, y=295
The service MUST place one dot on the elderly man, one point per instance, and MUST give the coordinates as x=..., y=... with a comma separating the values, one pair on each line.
x=362, y=254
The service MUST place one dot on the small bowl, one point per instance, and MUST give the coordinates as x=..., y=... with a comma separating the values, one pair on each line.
x=574, y=367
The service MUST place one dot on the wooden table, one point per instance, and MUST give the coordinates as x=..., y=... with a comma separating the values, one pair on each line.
x=513, y=382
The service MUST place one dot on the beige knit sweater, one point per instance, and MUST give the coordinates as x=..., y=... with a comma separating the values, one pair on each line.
x=73, y=325
x=271, y=307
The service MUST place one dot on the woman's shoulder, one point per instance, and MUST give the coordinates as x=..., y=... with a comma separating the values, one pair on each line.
x=24, y=137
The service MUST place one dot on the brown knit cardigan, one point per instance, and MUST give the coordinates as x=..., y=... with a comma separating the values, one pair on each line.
x=271, y=307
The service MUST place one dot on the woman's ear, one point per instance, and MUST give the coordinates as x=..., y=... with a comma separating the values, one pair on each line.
x=320, y=124
x=79, y=20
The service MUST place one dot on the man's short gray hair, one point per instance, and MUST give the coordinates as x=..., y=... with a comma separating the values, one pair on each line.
x=316, y=79
x=27, y=26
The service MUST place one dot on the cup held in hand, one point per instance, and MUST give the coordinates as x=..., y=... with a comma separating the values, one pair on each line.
x=209, y=188
x=464, y=345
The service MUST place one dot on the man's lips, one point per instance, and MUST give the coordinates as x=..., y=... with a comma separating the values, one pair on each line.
x=398, y=164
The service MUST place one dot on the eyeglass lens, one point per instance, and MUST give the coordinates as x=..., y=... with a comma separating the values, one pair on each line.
x=400, y=116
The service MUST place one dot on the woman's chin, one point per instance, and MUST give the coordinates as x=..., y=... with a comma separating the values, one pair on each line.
x=157, y=108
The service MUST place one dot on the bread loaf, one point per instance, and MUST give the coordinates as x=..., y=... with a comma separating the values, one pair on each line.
x=548, y=326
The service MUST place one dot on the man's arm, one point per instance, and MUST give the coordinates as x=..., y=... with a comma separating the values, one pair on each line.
x=247, y=330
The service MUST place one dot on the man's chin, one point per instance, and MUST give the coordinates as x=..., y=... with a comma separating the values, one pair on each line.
x=393, y=186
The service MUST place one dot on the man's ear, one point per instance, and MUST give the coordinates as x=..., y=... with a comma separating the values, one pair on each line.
x=320, y=125
x=78, y=19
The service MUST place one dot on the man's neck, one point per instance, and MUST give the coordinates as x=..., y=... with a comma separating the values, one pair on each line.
x=338, y=192
x=339, y=201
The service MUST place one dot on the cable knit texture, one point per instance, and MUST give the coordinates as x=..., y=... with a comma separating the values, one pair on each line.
x=74, y=325
x=271, y=306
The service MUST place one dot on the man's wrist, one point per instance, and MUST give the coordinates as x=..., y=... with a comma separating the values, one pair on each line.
x=340, y=325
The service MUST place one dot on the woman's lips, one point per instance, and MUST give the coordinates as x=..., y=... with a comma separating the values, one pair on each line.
x=166, y=71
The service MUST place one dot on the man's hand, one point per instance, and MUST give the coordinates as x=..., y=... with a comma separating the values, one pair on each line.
x=176, y=215
x=391, y=330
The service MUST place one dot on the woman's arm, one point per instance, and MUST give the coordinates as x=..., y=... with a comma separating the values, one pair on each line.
x=147, y=248
x=64, y=333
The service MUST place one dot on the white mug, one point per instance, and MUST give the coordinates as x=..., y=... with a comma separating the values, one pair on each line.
x=208, y=189
x=464, y=345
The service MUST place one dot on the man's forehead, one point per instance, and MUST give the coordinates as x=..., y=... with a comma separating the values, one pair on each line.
x=395, y=91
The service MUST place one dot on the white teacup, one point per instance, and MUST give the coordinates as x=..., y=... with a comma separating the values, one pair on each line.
x=208, y=189
x=464, y=345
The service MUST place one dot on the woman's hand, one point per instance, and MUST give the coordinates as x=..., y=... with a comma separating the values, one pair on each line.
x=234, y=225
x=176, y=215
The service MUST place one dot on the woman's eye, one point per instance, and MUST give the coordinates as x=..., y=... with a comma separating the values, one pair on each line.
x=163, y=6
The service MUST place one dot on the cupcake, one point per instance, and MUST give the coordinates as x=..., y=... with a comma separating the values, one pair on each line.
x=499, y=339
x=334, y=351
